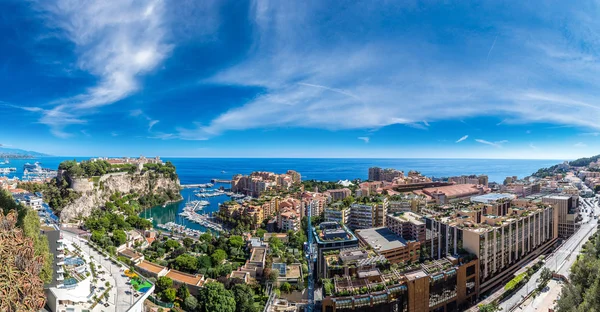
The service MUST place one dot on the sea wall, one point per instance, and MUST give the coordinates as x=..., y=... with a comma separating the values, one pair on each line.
x=95, y=192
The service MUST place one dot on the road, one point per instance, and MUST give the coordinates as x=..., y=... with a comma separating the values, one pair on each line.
x=124, y=295
x=562, y=258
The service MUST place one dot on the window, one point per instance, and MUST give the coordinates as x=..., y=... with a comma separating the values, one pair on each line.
x=470, y=270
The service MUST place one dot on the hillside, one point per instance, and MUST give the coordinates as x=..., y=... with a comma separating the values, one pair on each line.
x=6, y=152
x=581, y=162
x=80, y=188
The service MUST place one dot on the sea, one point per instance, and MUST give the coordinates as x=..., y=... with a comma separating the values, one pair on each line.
x=202, y=170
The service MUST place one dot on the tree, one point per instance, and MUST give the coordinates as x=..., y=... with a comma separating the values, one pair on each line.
x=169, y=295
x=171, y=245
x=190, y=303
x=244, y=298
x=214, y=297
x=218, y=256
x=186, y=262
x=490, y=307
x=119, y=237
x=260, y=233
x=273, y=276
x=545, y=274
x=236, y=241
x=187, y=242
x=183, y=292
x=204, y=262
x=286, y=287
x=163, y=283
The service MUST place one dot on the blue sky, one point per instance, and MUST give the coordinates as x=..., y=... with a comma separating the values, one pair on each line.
x=301, y=78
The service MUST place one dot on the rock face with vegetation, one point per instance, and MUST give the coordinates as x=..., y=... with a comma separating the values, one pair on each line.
x=89, y=184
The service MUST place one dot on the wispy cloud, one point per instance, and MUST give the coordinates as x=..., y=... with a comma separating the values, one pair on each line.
x=590, y=134
x=462, y=138
x=365, y=139
x=532, y=146
x=310, y=78
x=580, y=144
x=497, y=144
x=115, y=41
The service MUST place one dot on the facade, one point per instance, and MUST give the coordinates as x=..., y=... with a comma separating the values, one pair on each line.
x=470, y=179
x=447, y=284
x=502, y=243
x=337, y=213
x=339, y=194
x=388, y=175
x=389, y=244
x=259, y=182
x=567, y=215
x=409, y=202
x=368, y=215
x=409, y=225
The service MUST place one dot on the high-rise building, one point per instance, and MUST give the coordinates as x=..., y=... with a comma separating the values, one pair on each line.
x=409, y=225
x=368, y=215
x=503, y=243
x=567, y=214
x=387, y=175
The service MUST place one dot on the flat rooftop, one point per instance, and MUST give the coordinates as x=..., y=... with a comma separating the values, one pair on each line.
x=408, y=216
x=184, y=277
x=561, y=197
x=492, y=197
x=150, y=267
x=381, y=239
x=258, y=254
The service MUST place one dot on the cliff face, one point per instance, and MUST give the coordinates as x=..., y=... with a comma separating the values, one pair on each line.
x=95, y=193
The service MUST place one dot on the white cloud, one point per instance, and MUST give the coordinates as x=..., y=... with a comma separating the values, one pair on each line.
x=497, y=144
x=152, y=123
x=532, y=146
x=311, y=79
x=462, y=138
x=580, y=144
x=365, y=139
x=116, y=41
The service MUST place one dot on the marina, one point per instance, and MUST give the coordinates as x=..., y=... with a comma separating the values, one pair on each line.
x=7, y=170
x=193, y=213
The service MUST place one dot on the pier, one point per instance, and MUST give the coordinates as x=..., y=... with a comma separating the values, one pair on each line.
x=220, y=181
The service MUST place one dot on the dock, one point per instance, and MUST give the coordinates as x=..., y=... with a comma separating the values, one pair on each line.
x=220, y=181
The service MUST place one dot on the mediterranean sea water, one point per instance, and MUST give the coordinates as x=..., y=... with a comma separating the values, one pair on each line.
x=202, y=170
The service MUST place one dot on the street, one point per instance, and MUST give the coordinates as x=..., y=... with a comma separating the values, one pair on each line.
x=561, y=259
x=123, y=295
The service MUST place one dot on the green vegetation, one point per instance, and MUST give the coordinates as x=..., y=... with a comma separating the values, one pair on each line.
x=516, y=281
x=167, y=169
x=490, y=307
x=581, y=162
x=29, y=222
x=56, y=194
x=583, y=291
x=545, y=172
x=214, y=297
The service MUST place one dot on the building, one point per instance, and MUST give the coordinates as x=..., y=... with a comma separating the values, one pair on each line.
x=409, y=225
x=336, y=212
x=339, y=194
x=368, y=214
x=502, y=240
x=316, y=202
x=470, y=179
x=446, y=194
x=448, y=284
x=288, y=273
x=389, y=244
x=492, y=198
x=388, y=175
x=260, y=182
x=407, y=202
x=331, y=236
x=567, y=214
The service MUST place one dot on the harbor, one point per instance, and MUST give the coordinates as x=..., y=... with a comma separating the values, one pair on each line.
x=194, y=212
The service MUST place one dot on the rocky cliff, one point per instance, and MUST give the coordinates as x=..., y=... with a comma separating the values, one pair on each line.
x=94, y=192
